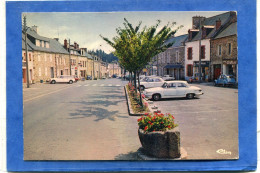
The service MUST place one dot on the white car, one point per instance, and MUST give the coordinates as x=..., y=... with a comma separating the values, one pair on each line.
x=168, y=78
x=172, y=89
x=151, y=82
x=63, y=79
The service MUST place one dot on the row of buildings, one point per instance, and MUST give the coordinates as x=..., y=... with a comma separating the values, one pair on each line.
x=48, y=58
x=215, y=37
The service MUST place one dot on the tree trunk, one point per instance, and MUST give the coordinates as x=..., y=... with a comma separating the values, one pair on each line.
x=141, y=100
x=135, y=81
x=130, y=78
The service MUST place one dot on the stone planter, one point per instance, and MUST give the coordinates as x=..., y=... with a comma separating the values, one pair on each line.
x=161, y=144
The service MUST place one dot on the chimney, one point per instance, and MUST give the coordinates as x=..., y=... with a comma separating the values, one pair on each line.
x=35, y=28
x=218, y=24
x=75, y=45
x=197, y=21
x=233, y=16
x=65, y=44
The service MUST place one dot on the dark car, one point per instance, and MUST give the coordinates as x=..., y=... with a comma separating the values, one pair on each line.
x=226, y=80
x=89, y=77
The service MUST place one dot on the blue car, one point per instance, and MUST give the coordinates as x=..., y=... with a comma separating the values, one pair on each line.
x=226, y=80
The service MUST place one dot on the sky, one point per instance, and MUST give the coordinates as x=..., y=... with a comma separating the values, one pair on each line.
x=86, y=28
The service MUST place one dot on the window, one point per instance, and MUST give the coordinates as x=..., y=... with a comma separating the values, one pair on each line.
x=229, y=48
x=30, y=58
x=50, y=57
x=202, y=48
x=157, y=80
x=219, y=50
x=45, y=57
x=172, y=85
x=64, y=62
x=189, y=70
x=168, y=57
x=40, y=71
x=190, y=53
x=39, y=57
x=177, y=56
x=181, y=85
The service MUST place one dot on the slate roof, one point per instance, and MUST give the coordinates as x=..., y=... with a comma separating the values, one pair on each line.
x=230, y=30
x=54, y=45
x=87, y=55
x=177, y=41
x=29, y=43
x=210, y=21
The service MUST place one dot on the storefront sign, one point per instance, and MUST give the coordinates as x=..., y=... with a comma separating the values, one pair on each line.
x=203, y=63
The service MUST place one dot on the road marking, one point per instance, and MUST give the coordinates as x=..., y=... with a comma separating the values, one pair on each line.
x=94, y=85
x=78, y=86
x=110, y=85
x=102, y=85
x=118, y=85
x=46, y=94
x=86, y=85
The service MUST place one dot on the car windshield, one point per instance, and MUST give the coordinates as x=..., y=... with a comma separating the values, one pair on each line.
x=165, y=85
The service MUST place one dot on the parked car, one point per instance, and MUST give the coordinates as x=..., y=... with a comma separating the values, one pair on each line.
x=63, y=79
x=151, y=82
x=172, y=89
x=168, y=78
x=89, y=77
x=225, y=80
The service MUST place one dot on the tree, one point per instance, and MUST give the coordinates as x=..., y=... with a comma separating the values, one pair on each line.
x=135, y=48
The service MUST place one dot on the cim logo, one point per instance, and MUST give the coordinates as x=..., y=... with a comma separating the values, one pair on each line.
x=222, y=151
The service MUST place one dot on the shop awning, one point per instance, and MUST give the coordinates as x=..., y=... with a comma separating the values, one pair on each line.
x=173, y=66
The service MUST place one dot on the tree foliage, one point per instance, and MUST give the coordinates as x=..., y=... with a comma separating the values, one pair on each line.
x=135, y=47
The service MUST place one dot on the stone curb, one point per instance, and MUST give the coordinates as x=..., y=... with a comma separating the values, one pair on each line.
x=130, y=110
x=144, y=156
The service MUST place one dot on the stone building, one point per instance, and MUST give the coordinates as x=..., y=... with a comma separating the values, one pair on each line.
x=199, y=37
x=114, y=69
x=50, y=59
x=170, y=62
x=30, y=61
x=224, y=51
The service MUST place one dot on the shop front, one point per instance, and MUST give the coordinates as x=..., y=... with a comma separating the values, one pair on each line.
x=204, y=70
x=174, y=70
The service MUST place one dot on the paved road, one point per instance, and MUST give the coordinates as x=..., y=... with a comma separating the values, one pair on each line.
x=83, y=121
x=89, y=121
x=208, y=124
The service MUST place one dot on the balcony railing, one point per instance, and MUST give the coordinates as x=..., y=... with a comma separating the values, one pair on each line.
x=24, y=64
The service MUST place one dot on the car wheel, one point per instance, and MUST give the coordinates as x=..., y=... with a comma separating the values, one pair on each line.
x=156, y=97
x=190, y=96
x=53, y=82
x=70, y=82
x=142, y=87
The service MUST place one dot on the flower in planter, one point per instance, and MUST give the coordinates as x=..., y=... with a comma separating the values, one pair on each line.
x=156, y=122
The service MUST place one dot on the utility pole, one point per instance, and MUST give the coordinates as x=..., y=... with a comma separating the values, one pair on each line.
x=157, y=65
x=200, y=49
x=70, y=59
x=93, y=68
x=26, y=52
